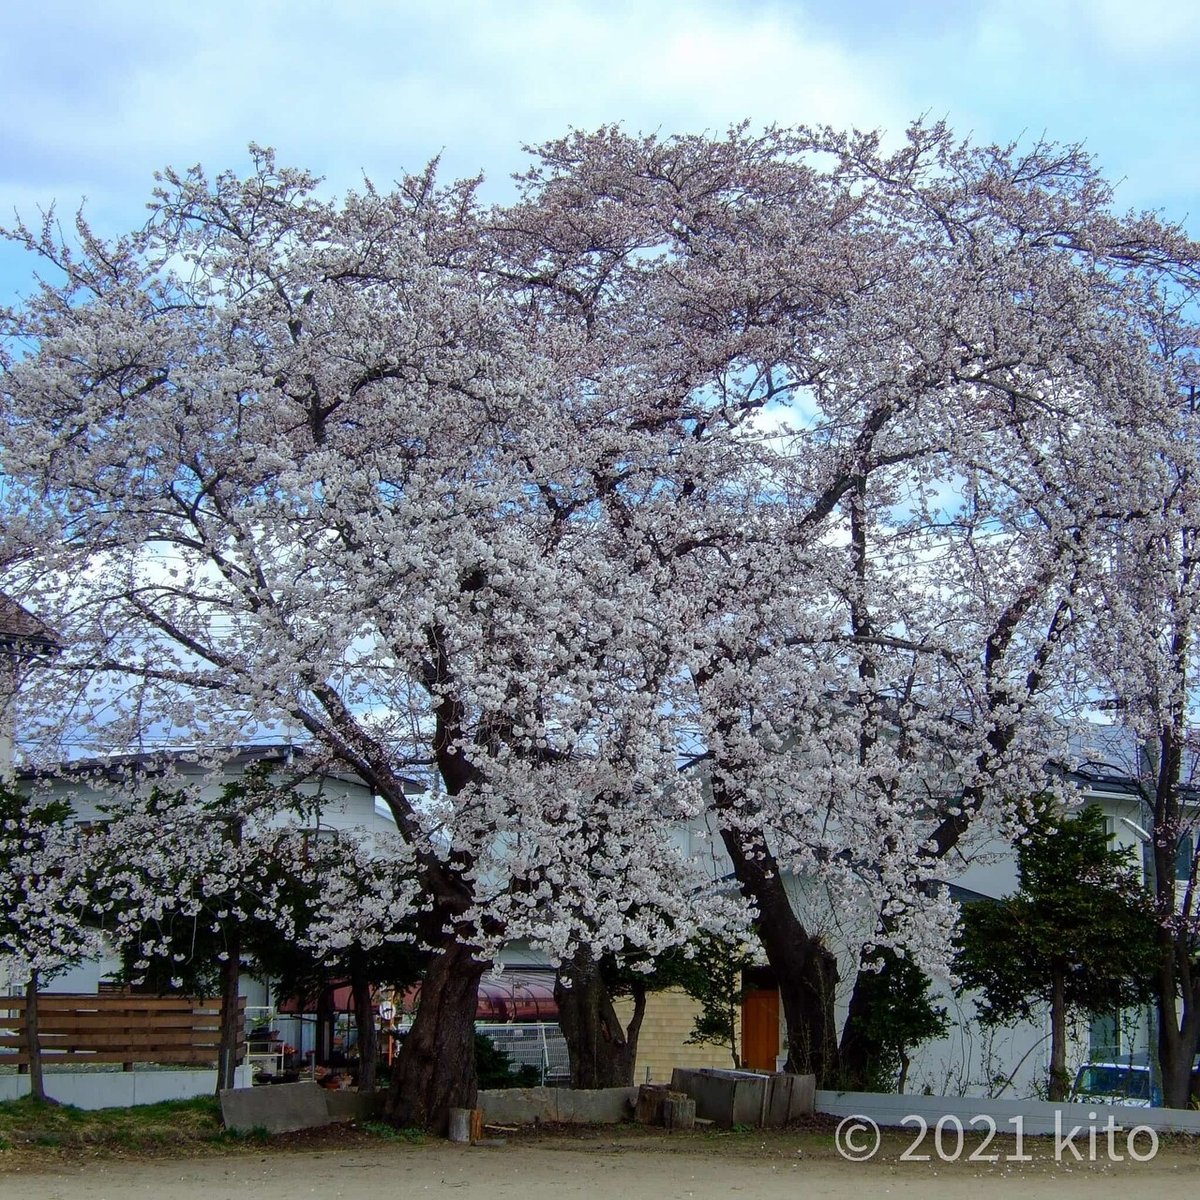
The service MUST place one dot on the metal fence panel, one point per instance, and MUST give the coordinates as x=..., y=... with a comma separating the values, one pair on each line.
x=541, y=1046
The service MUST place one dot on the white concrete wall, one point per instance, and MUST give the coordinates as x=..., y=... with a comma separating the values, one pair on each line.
x=1037, y=1117
x=121, y=1089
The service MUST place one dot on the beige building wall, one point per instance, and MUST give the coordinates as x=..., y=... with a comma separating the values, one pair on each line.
x=663, y=1045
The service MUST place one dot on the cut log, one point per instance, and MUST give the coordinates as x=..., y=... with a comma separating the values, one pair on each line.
x=651, y=1097
x=652, y=1101
x=460, y=1124
x=679, y=1112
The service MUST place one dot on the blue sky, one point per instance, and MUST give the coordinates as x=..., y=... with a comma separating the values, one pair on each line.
x=95, y=97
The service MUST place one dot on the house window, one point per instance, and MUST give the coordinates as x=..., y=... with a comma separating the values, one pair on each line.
x=1184, y=857
x=1104, y=1038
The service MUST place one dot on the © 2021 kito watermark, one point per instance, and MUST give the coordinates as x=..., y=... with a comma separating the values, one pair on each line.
x=858, y=1139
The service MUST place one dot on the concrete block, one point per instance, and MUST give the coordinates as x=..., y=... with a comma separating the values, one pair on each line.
x=744, y=1097
x=572, y=1106
x=518, y=1106
x=789, y=1097
x=1037, y=1117
x=724, y=1097
x=280, y=1108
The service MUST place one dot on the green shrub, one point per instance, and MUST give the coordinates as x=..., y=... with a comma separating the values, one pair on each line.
x=495, y=1069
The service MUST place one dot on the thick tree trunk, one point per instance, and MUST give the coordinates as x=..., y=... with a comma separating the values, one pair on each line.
x=1059, y=1083
x=805, y=969
x=37, y=1086
x=1178, y=1031
x=602, y=1052
x=1177, y=987
x=435, y=1069
x=1175, y=1062
x=228, y=1052
x=368, y=1035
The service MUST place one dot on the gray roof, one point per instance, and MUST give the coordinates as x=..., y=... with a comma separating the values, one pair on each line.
x=21, y=633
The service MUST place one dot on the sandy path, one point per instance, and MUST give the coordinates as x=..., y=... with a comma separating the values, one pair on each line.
x=558, y=1173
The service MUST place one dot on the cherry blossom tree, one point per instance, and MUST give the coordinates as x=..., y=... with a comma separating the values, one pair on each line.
x=343, y=908
x=893, y=400
x=300, y=466
x=770, y=456
x=47, y=885
x=174, y=860
x=1144, y=660
x=1044, y=486
x=195, y=889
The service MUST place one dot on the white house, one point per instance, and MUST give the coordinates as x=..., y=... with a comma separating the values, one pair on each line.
x=24, y=641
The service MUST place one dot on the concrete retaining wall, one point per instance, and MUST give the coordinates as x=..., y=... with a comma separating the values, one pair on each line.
x=119, y=1089
x=284, y=1107
x=278, y=1108
x=1036, y=1116
x=569, y=1106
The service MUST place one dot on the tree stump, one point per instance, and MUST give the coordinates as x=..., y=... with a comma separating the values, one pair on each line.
x=460, y=1124
x=679, y=1111
x=652, y=1102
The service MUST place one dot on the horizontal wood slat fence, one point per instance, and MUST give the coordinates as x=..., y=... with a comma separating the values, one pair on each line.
x=122, y=1029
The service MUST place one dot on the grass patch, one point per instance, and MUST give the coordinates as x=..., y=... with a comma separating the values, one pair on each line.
x=257, y=1135
x=390, y=1133
x=28, y=1122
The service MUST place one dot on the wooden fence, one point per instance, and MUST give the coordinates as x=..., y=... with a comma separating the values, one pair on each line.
x=124, y=1029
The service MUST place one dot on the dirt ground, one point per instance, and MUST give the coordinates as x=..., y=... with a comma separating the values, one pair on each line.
x=559, y=1167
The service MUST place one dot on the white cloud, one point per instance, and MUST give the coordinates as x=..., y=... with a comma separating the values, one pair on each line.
x=384, y=86
x=1162, y=31
x=94, y=98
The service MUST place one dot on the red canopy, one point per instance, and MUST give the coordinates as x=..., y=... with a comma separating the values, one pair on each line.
x=513, y=995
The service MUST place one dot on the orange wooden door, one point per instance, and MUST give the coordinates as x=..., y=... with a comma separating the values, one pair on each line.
x=760, y=1029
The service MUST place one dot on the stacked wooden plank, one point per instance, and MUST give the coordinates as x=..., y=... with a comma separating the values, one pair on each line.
x=124, y=1029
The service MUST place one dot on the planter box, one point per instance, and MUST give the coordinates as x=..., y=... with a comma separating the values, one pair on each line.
x=730, y=1098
